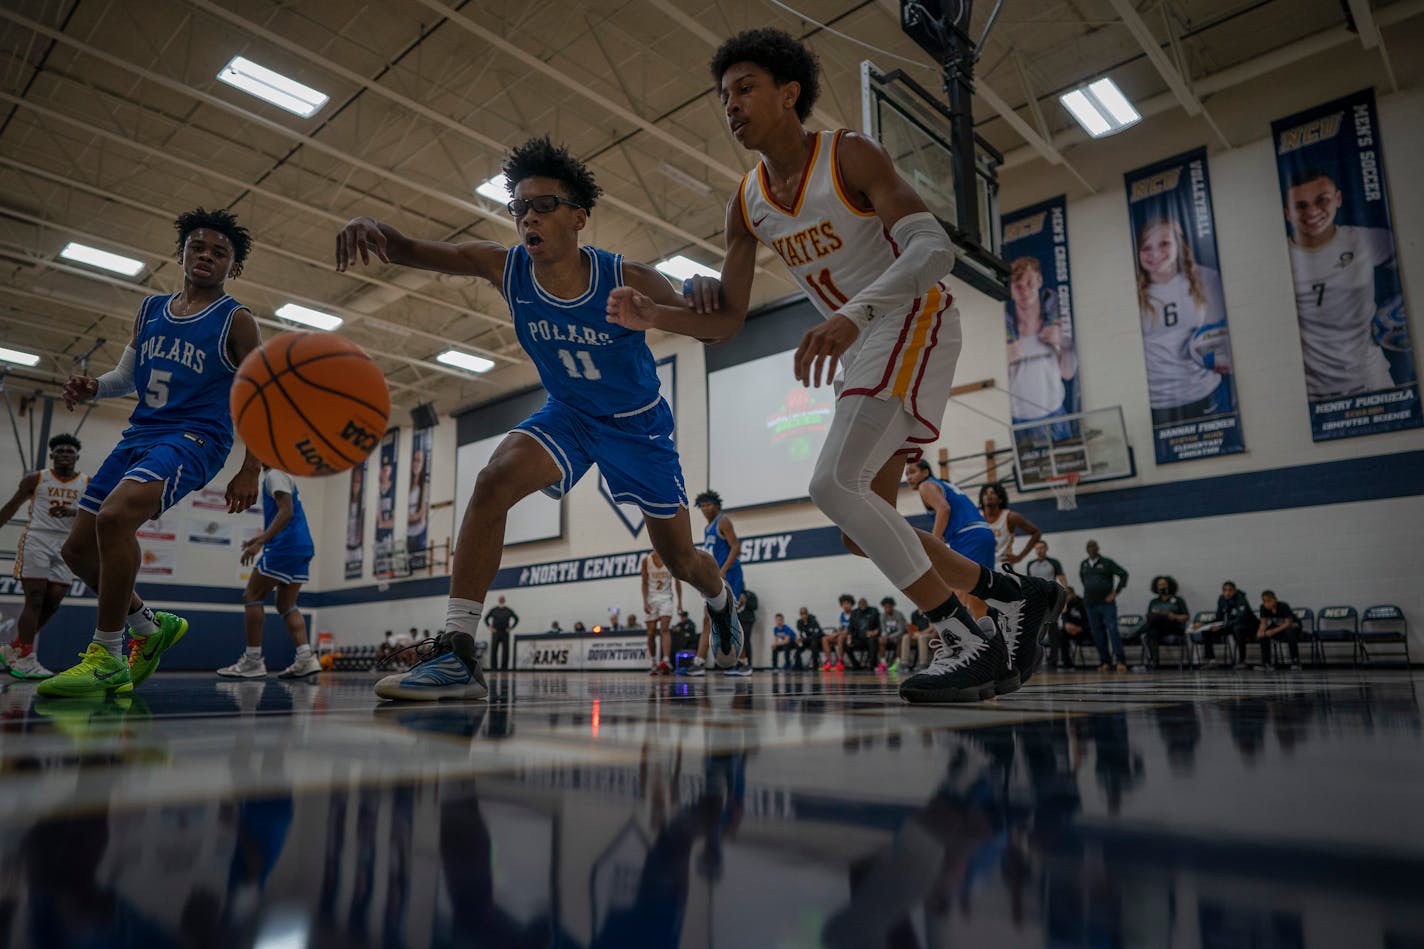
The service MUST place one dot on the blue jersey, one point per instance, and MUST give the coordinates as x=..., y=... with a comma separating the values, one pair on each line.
x=715, y=544
x=182, y=372
x=964, y=514
x=295, y=537
x=584, y=361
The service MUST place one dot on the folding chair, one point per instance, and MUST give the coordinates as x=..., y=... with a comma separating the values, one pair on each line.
x=1206, y=618
x=1383, y=624
x=1129, y=629
x=1338, y=625
x=1305, y=616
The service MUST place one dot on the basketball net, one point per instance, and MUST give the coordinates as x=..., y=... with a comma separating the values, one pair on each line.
x=1065, y=491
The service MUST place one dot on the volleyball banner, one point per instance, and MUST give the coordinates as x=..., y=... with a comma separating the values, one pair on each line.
x=356, y=523
x=386, y=505
x=1038, y=317
x=1182, y=310
x=1354, y=329
x=417, y=527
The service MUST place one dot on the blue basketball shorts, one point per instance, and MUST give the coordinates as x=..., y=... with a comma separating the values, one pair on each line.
x=182, y=461
x=976, y=543
x=734, y=580
x=635, y=454
x=288, y=566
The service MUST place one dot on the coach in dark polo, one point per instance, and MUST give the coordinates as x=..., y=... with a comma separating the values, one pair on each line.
x=1100, y=600
x=501, y=620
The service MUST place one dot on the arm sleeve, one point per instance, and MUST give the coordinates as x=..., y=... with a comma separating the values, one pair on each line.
x=926, y=255
x=120, y=379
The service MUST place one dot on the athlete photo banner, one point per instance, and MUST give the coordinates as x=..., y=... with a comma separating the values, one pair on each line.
x=1038, y=317
x=417, y=528
x=1182, y=310
x=1354, y=329
x=386, y=505
x=356, y=523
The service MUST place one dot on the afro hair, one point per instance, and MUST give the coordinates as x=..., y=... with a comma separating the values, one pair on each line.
x=779, y=53
x=541, y=158
x=222, y=221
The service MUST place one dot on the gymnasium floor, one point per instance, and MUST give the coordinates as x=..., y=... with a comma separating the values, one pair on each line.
x=1226, y=809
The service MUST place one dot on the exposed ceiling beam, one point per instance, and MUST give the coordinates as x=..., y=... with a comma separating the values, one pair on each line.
x=1175, y=81
x=1370, y=36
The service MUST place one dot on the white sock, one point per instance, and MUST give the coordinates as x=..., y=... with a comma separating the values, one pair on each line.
x=253, y=652
x=463, y=616
x=303, y=651
x=719, y=602
x=143, y=622
x=114, y=642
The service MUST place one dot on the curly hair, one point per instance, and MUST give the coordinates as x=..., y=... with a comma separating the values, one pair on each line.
x=709, y=497
x=64, y=438
x=1171, y=583
x=222, y=221
x=1186, y=264
x=541, y=158
x=779, y=53
x=998, y=490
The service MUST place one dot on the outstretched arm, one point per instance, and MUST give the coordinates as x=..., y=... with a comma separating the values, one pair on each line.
x=364, y=237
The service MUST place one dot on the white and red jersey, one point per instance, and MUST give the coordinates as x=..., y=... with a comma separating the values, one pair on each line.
x=835, y=250
x=55, y=500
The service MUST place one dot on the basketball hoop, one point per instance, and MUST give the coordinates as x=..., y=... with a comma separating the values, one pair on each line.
x=1065, y=490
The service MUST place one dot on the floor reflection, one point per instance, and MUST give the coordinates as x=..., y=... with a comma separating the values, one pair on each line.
x=800, y=811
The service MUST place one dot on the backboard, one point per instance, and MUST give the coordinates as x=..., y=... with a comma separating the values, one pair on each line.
x=914, y=127
x=1092, y=445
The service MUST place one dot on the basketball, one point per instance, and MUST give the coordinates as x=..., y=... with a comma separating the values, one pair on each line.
x=310, y=403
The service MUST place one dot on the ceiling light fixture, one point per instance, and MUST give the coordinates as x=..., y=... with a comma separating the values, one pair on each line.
x=466, y=361
x=681, y=268
x=494, y=189
x=95, y=257
x=306, y=316
x=272, y=86
x=1101, y=108
x=19, y=357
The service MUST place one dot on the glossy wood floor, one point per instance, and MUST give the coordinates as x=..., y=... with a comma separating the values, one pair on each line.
x=1181, y=809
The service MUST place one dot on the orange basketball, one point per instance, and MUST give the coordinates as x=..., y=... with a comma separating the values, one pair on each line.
x=310, y=403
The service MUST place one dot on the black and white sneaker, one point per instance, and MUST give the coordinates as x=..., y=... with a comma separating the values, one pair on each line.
x=1028, y=619
x=965, y=667
x=727, y=637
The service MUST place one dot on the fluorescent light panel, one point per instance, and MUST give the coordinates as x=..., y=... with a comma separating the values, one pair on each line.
x=272, y=86
x=494, y=189
x=466, y=361
x=680, y=268
x=95, y=257
x=308, y=317
x=19, y=357
x=1101, y=108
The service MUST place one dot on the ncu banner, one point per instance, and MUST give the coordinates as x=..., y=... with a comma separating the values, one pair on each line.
x=1038, y=317
x=1182, y=310
x=1354, y=329
x=356, y=522
x=386, y=505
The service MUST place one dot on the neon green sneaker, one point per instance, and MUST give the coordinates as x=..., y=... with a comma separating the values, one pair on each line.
x=144, y=651
x=98, y=672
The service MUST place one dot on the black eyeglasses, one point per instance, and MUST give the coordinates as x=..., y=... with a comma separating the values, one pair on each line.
x=542, y=203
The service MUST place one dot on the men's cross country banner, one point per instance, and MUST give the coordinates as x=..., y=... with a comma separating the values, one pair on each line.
x=1038, y=317
x=356, y=523
x=417, y=528
x=386, y=505
x=1182, y=310
x=1354, y=330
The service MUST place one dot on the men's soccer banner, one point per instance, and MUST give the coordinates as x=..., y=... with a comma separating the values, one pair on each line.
x=417, y=528
x=386, y=505
x=1038, y=317
x=1354, y=329
x=1182, y=310
x=356, y=523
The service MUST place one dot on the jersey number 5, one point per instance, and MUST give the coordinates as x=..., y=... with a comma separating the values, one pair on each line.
x=579, y=365
x=157, y=395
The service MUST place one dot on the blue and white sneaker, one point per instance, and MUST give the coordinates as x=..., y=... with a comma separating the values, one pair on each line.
x=727, y=636
x=453, y=673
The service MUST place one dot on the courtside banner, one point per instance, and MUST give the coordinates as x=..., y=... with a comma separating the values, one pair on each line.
x=417, y=528
x=1182, y=310
x=1038, y=317
x=1354, y=330
x=356, y=523
x=386, y=505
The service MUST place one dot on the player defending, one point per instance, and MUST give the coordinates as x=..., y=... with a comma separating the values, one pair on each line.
x=287, y=550
x=1340, y=272
x=185, y=349
x=957, y=520
x=603, y=406
x=659, y=586
x=53, y=494
x=854, y=234
x=719, y=538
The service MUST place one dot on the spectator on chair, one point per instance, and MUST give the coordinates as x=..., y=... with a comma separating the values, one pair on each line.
x=1072, y=625
x=893, y=627
x=1044, y=566
x=808, y=637
x=1100, y=601
x=1167, y=615
x=579, y=627
x=554, y=627
x=1234, y=617
x=865, y=633
x=783, y=639
x=916, y=641
x=837, y=641
x=1278, y=620
x=684, y=634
